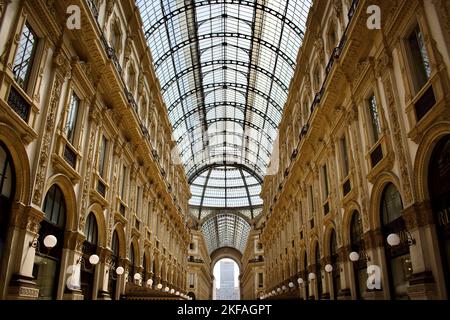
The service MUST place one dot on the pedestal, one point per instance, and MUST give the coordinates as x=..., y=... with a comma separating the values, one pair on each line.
x=22, y=288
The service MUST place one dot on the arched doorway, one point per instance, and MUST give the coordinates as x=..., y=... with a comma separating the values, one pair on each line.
x=112, y=276
x=439, y=188
x=336, y=273
x=7, y=190
x=398, y=259
x=357, y=245
x=226, y=278
x=47, y=262
x=89, y=248
x=317, y=270
x=132, y=264
x=305, y=275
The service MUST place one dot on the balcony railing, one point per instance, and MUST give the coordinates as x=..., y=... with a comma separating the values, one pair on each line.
x=19, y=104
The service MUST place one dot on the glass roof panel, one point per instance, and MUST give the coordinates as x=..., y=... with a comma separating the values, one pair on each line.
x=226, y=230
x=225, y=67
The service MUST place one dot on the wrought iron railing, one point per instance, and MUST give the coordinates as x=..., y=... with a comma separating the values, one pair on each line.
x=19, y=104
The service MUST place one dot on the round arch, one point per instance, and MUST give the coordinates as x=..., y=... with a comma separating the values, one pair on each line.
x=64, y=183
x=329, y=228
x=137, y=257
x=347, y=221
x=97, y=210
x=13, y=144
x=226, y=253
x=119, y=228
x=424, y=153
x=375, y=199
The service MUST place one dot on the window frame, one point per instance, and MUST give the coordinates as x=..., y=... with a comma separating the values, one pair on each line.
x=410, y=60
x=28, y=79
x=73, y=141
x=102, y=162
x=345, y=156
x=374, y=137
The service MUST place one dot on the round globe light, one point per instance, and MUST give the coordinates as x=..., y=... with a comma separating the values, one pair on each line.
x=166, y=289
x=329, y=268
x=273, y=292
x=279, y=289
x=312, y=276
x=159, y=286
x=393, y=239
x=300, y=281
x=172, y=291
x=177, y=293
x=120, y=270
x=50, y=241
x=291, y=284
x=137, y=276
x=94, y=259
x=149, y=282
x=284, y=288
x=354, y=256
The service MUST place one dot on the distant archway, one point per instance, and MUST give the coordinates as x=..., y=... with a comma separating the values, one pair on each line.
x=226, y=284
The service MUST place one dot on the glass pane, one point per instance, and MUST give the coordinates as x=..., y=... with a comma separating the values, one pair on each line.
x=420, y=60
x=72, y=118
x=24, y=56
x=229, y=77
x=46, y=272
x=375, y=119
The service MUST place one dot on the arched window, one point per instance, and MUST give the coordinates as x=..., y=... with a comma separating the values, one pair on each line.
x=439, y=187
x=305, y=275
x=357, y=245
x=47, y=261
x=114, y=264
x=7, y=186
x=397, y=258
x=91, y=229
x=132, y=264
x=336, y=275
x=318, y=272
x=145, y=275
x=89, y=248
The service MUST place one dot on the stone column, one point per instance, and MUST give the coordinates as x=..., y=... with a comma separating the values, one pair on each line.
x=104, y=270
x=25, y=223
x=427, y=280
x=374, y=246
x=71, y=286
x=346, y=273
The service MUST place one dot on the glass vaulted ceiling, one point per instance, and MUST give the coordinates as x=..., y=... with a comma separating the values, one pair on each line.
x=224, y=67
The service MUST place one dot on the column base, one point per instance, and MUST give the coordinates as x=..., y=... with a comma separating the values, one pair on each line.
x=325, y=296
x=73, y=295
x=22, y=288
x=422, y=286
x=103, y=295
x=374, y=295
x=345, y=294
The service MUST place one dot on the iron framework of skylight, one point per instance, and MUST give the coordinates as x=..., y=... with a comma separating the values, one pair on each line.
x=224, y=67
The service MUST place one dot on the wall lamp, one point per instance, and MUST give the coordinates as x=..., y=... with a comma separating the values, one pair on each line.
x=354, y=256
x=394, y=239
x=120, y=270
x=329, y=268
